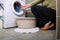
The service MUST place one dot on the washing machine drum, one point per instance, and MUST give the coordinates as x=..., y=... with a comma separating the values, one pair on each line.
x=16, y=7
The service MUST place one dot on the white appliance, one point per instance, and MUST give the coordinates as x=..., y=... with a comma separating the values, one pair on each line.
x=10, y=12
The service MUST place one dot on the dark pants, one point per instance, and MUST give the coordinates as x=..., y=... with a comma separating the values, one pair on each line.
x=43, y=15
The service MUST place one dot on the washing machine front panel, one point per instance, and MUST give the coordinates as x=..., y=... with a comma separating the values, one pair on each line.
x=22, y=2
x=9, y=16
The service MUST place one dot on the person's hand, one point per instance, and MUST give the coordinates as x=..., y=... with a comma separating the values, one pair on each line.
x=24, y=7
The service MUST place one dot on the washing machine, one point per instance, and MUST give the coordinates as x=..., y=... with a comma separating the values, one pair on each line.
x=12, y=10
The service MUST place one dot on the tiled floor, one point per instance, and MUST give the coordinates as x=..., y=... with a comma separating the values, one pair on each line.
x=10, y=34
x=58, y=39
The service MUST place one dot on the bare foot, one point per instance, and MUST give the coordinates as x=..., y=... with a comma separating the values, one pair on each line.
x=46, y=27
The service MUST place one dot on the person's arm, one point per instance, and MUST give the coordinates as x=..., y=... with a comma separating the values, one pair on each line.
x=36, y=2
x=31, y=4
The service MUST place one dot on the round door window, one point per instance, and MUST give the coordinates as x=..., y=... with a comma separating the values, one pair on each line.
x=17, y=7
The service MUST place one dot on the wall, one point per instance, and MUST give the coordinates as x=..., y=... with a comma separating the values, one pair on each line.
x=58, y=16
x=29, y=1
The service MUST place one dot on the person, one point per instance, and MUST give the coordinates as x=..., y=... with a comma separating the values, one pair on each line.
x=45, y=13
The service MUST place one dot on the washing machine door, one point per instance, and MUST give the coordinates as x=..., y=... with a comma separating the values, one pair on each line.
x=16, y=7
